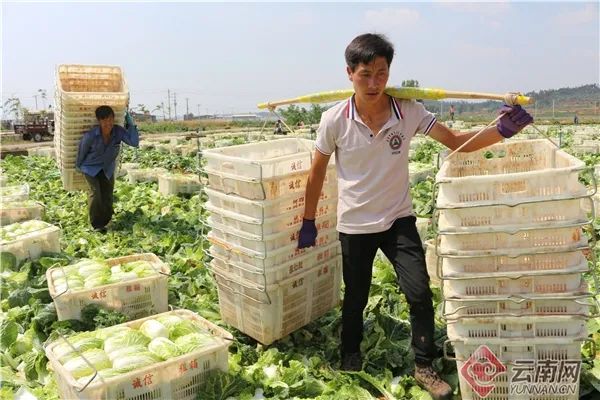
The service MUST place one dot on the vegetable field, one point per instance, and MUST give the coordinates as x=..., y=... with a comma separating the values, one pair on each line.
x=302, y=365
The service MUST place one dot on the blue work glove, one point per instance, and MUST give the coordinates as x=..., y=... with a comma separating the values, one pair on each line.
x=308, y=233
x=514, y=119
x=128, y=120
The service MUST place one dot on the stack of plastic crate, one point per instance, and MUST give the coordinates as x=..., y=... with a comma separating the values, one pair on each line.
x=267, y=287
x=510, y=243
x=80, y=89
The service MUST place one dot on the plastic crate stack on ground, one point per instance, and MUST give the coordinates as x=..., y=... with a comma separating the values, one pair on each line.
x=80, y=89
x=510, y=243
x=267, y=287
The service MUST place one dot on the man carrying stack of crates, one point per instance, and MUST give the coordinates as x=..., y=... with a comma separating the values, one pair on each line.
x=370, y=134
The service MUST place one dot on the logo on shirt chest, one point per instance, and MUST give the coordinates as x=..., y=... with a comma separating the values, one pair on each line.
x=395, y=140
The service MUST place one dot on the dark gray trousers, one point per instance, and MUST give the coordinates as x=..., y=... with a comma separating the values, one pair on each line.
x=100, y=199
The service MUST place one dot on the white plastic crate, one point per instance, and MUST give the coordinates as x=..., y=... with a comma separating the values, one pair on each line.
x=31, y=245
x=46, y=151
x=178, y=183
x=266, y=189
x=262, y=209
x=537, y=284
x=431, y=260
x=418, y=172
x=509, y=173
x=502, y=243
x=14, y=193
x=226, y=236
x=11, y=212
x=177, y=378
x=529, y=264
x=498, y=218
x=263, y=262
x=88, y=87
x=561, y=326
x=272, y=312
x=422, y=226
x=90, y=78
x=125, y=167
x=135, y=298
x=531, y=350
x=277, y=273
x=261, y=160
x=519, y=306
x=264, y=227
x=73, y=180
x=145, y=174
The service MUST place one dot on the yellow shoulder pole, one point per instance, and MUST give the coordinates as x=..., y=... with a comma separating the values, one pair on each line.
x=403, y=93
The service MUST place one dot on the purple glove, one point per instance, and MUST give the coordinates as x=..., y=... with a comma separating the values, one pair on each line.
x=308, y=234
x=514, y=119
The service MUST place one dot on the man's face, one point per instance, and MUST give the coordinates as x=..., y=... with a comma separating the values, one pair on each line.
x=106, y=124
x=369, y=80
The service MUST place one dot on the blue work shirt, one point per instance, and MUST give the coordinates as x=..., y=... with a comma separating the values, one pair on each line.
x=95, y=156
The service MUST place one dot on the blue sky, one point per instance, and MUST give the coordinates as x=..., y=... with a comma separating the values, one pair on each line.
x=227, y=57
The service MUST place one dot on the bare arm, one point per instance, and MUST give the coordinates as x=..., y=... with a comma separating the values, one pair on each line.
x=453, y=139
x=316, y=176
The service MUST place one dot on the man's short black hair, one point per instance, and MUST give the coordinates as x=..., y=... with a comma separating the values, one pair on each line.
x=104, y=112
x=366, y=47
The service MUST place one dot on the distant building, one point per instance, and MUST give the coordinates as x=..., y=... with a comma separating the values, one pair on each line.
x=244, y=117
x=143, y=117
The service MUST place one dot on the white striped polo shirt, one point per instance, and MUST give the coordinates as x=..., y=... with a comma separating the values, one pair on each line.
x=372, y=170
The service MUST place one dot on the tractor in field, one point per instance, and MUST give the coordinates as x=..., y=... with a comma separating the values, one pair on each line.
x=36, y=126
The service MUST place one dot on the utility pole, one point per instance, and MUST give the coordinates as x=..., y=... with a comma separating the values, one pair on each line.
x=552, y=109
x=169, y=102
x=35, y=97
x=175, y=104
x=187, y=106
x=162, y=107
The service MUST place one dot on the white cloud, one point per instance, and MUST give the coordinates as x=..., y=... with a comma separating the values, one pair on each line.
x=479, y=7
x=581, y=16
x=482, y=53
x=396, y=18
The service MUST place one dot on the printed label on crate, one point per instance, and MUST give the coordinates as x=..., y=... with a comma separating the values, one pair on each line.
x=142, y=381
x=188, y=366
x=98, y=295
x=527, y=377
x=297, y=165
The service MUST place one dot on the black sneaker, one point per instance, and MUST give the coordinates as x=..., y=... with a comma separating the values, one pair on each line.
x=352, y=362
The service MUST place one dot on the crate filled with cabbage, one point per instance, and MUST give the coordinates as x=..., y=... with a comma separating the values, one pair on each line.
x=134, y=285
x=166, y=356
x=14, y=192
x=17, y=211
x=29, y=240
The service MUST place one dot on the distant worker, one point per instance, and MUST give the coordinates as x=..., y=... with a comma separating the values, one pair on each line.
x=576, y=119
x=300, y=124
x=98, y=151
x=452, y=112
x=279, y=128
